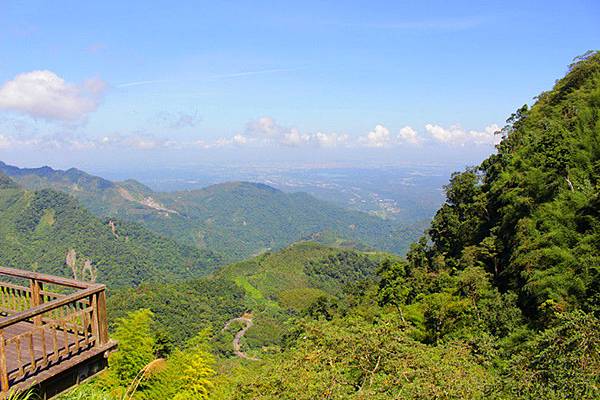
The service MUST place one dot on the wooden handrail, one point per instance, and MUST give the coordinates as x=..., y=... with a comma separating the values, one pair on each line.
x=72, y=283
x=51, y=305
x=28, y=290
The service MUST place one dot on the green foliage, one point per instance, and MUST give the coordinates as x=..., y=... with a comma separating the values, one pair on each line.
x=275, y=286
x=136, y=345
x=528, y=215
x=240, y=219
x=338, y=270
x=302, y=269
x=354, y=359
x=6, y=182
x=562, y=362
x=39, y=228
x=187, y=375
x=12, y=395
x=499, y=300
x=135, y=373
x=89, y=392
x=393, y=289
x=181, y=309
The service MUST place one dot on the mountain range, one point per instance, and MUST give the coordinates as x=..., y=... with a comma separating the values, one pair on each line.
x=234, y=219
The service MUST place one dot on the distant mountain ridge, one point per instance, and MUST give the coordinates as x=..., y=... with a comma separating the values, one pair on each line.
x=236, y=219
x=70, y=176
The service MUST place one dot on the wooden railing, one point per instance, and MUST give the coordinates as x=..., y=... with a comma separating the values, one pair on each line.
x=40, y=328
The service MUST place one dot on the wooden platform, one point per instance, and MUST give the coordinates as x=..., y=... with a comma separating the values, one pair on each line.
x=20, y=328
x=50, y=341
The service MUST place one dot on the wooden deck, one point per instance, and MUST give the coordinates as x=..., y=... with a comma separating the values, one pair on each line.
x=50, y=340
x=12, y=354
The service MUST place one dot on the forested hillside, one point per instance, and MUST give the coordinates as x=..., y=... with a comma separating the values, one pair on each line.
x=529, y=215
x=499, y=300
x=51, y=232
x=235, y=219
x=272, y=286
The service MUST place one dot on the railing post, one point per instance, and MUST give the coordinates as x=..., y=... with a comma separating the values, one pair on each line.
x=102, y=318
x=3, y=369
x=95, y=329
x=36, y=298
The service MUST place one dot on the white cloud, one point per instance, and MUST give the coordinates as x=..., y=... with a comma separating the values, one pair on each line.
x=409, y=135
x=240, y=139
x=265, y=127
x=295, y=139
x=330, y=139
x=266, y=131
x=200, y=143
x=378, y=137
x=43, y=94
x=10, y=142
x=456, y=135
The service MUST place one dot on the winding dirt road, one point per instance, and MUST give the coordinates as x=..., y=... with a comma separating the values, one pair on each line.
x=237, y=348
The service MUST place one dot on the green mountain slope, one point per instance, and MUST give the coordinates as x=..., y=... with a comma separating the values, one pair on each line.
x=273, y=286
x=245, y=218
x=530, y=214
x=40, y=228
x=100, y=196
x=237, y=219
x=298, y=275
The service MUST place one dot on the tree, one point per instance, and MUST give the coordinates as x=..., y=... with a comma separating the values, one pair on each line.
x=393, y=288
x=136, y=346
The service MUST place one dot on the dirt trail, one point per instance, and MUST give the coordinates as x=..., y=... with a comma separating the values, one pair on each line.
x=237, y=348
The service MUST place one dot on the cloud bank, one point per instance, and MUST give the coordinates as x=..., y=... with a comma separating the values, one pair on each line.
x=456, y=135
x=265, y=132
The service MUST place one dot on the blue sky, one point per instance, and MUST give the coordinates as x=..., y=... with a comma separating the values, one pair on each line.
x=123, y=83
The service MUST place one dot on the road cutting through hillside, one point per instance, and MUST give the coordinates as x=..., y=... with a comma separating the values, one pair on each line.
x=237, y=348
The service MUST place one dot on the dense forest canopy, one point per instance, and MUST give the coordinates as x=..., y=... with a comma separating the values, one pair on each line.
x=299, y=279
x=529, y=214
